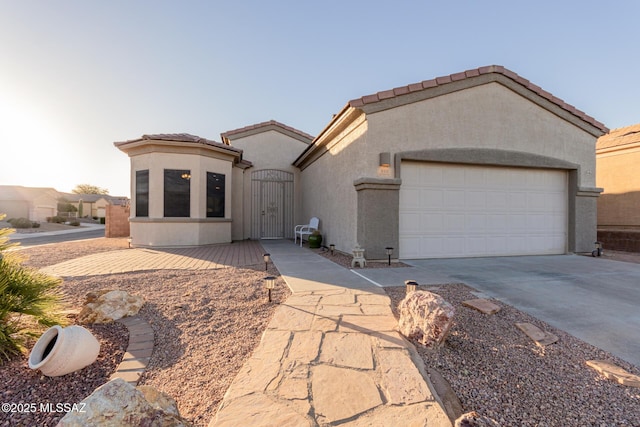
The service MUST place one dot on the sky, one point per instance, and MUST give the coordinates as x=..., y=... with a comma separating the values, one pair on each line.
x=77, y=76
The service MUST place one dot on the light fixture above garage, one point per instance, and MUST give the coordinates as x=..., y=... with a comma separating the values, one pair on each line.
x=385, y=159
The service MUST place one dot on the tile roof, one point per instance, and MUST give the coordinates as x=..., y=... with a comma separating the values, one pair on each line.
x=618, y=137
x=304, y=135
x=444, y=80
x=179, y=137
x=92, y=198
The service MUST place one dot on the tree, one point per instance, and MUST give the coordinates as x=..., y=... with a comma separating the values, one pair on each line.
x=89, y=189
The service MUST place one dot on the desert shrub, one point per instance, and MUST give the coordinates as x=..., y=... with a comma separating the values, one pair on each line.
x=74, y=223
x=58, y=219
x=21, y=222
x=35, y=224
x=28, y=298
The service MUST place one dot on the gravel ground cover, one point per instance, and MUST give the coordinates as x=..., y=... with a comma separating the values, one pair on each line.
x=496, y=370
x=206, y=325
x=28, y=392
x=344, y=260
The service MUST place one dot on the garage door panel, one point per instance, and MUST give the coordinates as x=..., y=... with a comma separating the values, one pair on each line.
x=466, y=211
x=454, y=222
x=454, y=199
x=432, y=222
x=476, y=200
x=410, y=223
x=432, y=199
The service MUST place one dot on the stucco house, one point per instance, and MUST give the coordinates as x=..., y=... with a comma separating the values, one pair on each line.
x=93, y=205
x=617, y=161
x=478, y=163
x=34, y=203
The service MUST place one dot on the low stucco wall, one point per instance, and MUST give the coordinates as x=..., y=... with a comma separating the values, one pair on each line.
x=620, y=240
x=174, y=232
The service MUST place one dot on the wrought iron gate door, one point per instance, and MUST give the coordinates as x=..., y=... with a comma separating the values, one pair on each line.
x=272, y=211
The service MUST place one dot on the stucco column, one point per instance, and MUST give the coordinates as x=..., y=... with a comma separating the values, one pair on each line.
x=378, y=215
x=586, y=211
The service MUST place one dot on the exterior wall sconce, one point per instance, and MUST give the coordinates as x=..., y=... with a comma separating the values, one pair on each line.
x=269, y=283
x=186, y=176
x=332, y=248
x=411, y=285
x=389, y=251
x=267, y=258
x=385, y=159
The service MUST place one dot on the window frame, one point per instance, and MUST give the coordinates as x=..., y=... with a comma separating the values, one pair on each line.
x=177, y=193
x=142, y=195
x=215, y=197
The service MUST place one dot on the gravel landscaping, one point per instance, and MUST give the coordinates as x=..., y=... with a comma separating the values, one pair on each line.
x=496, y=370
x=206, y=324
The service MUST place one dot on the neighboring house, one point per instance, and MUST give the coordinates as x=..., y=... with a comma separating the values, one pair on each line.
x=479, y=163
x=34, y=203
x=93, y=205
x=617, y=163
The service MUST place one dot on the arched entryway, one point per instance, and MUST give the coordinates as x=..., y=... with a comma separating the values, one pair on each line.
x=272, y=204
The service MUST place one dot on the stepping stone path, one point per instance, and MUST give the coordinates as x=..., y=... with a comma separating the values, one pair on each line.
x=482, y=305
x=332, y=357
x=615, y=373
x=540, y=337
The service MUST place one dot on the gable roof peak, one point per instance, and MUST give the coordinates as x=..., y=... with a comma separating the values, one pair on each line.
x=469, y=74
x=302, y=136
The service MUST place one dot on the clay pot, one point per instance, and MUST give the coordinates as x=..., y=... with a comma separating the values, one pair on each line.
x=60, y=351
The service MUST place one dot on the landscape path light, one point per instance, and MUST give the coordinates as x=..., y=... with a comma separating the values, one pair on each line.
x=389, y=251
x=267, y=258
x=269, y=283
x=411, y=285
x=332, y=248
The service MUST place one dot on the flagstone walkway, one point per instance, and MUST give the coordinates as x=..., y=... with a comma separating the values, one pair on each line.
x=331, y=355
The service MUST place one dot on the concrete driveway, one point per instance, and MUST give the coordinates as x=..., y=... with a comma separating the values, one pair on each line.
x=594, y=299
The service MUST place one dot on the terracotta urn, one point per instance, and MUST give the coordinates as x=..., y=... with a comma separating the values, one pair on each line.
x=60, y=351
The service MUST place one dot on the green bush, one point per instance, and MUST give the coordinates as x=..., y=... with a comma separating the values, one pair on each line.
x=21, y=222
x=35, y=224
x=28, y=298
x=56, y=219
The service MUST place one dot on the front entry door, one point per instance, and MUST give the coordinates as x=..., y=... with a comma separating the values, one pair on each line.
x=271, y=210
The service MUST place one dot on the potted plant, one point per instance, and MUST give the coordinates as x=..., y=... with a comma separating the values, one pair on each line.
x=315, y=239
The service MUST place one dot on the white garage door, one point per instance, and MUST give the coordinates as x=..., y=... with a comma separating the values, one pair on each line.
x=450, y=210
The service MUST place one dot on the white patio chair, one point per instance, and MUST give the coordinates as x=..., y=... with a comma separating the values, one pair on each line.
x=305, y=229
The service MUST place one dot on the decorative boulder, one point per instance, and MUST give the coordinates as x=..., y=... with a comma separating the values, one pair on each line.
x=473, y=419
x=118, y=403
x=109, y=306
x=425, y=317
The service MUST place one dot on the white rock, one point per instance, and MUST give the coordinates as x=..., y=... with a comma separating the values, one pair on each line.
x=118, y=403
x=110, y=306
x=425, y=317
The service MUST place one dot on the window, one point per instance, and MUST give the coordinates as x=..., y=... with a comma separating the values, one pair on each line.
x=215, y=195
x=177, y=193
x=142, y=193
